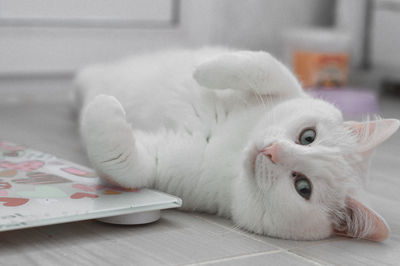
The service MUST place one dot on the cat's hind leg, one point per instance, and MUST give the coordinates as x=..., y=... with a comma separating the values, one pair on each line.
x=111, y=145
x=258, y=72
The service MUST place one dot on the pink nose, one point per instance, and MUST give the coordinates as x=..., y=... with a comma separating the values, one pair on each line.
x=271, y=152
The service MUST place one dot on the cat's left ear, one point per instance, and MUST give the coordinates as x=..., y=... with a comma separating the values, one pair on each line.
x=372, y=133
x=359, y=221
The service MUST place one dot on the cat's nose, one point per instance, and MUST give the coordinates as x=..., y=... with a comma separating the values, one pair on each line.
x=271, y=152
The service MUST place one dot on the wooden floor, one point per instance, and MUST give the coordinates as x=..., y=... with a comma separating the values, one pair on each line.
x=181, y=238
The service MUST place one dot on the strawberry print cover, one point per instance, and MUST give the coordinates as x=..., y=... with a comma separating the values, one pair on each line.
x=38, y=189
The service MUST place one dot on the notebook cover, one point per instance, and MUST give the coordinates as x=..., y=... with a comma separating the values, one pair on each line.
x=38, y=189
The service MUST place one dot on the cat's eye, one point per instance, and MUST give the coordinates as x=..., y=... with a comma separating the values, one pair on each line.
x=307, y=136
x=303, y=185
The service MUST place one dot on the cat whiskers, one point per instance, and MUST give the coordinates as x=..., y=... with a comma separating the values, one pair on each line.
x=265, y=175
x=271, y=176
x=261, y=97
x=271, y=116
x=258, y=96
x=260, y=100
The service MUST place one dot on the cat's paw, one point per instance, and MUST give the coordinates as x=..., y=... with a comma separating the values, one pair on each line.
x=252, y=71
x=103, y=110
x=104, y=125
x=111, y=145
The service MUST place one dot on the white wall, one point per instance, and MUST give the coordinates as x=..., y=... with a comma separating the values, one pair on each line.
x=384, y=33
x=58, y=36
x=350, y=17
x=251, y=24
x=386, y=36
x=41, y=42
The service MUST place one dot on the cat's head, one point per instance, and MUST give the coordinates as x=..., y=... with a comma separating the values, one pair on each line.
x=304, y=169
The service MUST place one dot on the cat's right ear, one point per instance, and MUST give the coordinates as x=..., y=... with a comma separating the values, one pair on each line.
x=372, y=133
x=359, y=221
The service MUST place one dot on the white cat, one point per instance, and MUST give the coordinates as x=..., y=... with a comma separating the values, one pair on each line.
x=232, y=133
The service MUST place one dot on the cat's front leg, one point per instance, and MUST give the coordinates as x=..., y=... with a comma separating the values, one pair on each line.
x=111, y=145
x=257, y=72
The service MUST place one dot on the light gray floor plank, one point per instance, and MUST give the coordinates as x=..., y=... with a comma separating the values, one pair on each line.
x=280, y=243
x=272, y=258
x=178, y=238
x=356, y=252
x=49, y=127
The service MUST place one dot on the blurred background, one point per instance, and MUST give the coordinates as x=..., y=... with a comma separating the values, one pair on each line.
x=43, y=42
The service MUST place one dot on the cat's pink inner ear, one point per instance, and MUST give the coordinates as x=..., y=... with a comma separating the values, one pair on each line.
x=359, y=221
x=372, y=133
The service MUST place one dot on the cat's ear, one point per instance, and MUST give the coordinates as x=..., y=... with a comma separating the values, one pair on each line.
x=372, y=133
x=359, y=221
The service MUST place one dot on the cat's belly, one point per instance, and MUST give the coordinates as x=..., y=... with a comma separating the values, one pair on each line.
x=205, y=185
x=209, y=163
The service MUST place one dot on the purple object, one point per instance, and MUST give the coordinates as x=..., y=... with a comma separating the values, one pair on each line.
x=354, y=103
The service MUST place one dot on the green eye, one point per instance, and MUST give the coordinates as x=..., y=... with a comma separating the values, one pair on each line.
x=303, y=186
x=307, y=136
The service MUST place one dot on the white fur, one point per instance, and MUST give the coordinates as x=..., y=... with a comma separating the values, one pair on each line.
x=199, y=138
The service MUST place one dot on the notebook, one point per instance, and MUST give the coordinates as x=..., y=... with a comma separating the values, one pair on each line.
x=39, y=189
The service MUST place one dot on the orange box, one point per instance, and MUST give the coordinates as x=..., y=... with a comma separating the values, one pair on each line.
x=318, y=69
